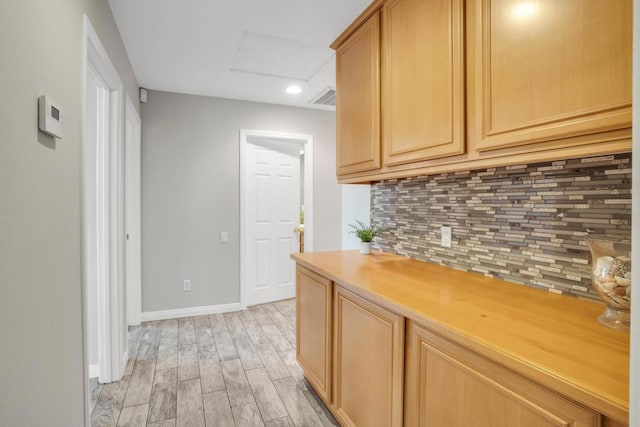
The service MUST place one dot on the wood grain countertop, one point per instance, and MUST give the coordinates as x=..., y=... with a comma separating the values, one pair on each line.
x=552, y=339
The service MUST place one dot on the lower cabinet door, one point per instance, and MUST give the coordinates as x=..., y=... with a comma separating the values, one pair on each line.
x=368, y=362
x=313, y=329
x=448, y=385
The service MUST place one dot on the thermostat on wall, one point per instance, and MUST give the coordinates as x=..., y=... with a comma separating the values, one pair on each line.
x=49, y=117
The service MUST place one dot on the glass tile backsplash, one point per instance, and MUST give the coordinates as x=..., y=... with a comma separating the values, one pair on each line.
x=524, y=224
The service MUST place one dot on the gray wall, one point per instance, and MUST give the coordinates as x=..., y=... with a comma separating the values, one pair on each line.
x=191, y=187
x=356, y=205
x=41, y=361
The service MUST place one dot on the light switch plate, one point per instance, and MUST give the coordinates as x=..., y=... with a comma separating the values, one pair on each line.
x=186, y=285
x=224, y=237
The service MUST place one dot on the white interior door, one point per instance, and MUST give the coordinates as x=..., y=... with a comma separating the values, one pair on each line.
x=272, y=203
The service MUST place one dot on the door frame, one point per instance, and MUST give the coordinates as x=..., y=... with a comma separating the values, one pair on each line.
x=245, y=135
x=132, y=188
x=112, y=356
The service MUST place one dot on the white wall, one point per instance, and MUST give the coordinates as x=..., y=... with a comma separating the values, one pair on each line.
x=41, y=339
x=356, y=204
x=191, y=188
x=634, y=374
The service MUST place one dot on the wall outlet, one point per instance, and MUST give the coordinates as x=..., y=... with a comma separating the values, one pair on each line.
x=224, y=237
x=445, y=233
x=186, y=285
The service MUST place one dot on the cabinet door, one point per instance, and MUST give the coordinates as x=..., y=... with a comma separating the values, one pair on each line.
x=447, y=385
x=611, y=423
x=368, y=362
x=546, y=69
x=313, y=330
x=358, y=100
x=423, y=80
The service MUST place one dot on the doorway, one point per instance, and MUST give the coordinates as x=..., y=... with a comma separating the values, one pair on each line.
x=102, y=215
x=133, y=245
x=276, y=197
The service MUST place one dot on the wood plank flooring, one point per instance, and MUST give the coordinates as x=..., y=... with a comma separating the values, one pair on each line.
x=232, y=369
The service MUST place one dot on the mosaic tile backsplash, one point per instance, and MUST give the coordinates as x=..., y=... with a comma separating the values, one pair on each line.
x=524, y=224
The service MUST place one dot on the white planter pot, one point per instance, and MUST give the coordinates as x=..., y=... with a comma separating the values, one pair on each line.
x=365, y=248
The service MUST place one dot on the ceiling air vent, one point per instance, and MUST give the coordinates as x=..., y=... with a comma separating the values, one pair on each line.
x=326, y=97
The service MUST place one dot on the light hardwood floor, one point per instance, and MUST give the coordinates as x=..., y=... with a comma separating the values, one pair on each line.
x=232, y=369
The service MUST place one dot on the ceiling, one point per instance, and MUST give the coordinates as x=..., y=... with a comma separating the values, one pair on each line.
x=240, y=49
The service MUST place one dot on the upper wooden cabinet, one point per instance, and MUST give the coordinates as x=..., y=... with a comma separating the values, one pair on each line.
x=449, y=85
x=358, y=99
x=545, y=70
x=423, y=80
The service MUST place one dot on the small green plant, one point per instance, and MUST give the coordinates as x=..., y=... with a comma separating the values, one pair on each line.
x=364, y=233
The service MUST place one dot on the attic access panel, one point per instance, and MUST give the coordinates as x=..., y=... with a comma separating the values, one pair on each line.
x=279, y=57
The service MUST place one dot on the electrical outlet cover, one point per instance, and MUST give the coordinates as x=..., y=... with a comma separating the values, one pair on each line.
x=445, y=236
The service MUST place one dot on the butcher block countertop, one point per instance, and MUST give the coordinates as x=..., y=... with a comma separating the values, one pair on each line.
x=553, y=339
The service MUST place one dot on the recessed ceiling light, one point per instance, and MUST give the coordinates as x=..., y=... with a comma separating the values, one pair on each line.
x=294, y=89
x=525, y=9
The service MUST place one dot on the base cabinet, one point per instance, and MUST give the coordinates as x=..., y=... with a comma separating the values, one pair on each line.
x=448, y=385
x=373, y=367
x=368, y=362
x=313, y=329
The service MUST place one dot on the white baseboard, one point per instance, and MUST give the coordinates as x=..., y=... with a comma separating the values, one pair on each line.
x=94, y=371
x=191, y=311
x=123, y=362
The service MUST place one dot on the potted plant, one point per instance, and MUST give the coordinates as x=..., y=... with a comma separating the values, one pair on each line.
x=366, y=234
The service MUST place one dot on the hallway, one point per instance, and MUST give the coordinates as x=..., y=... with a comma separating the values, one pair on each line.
x=232, y=369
